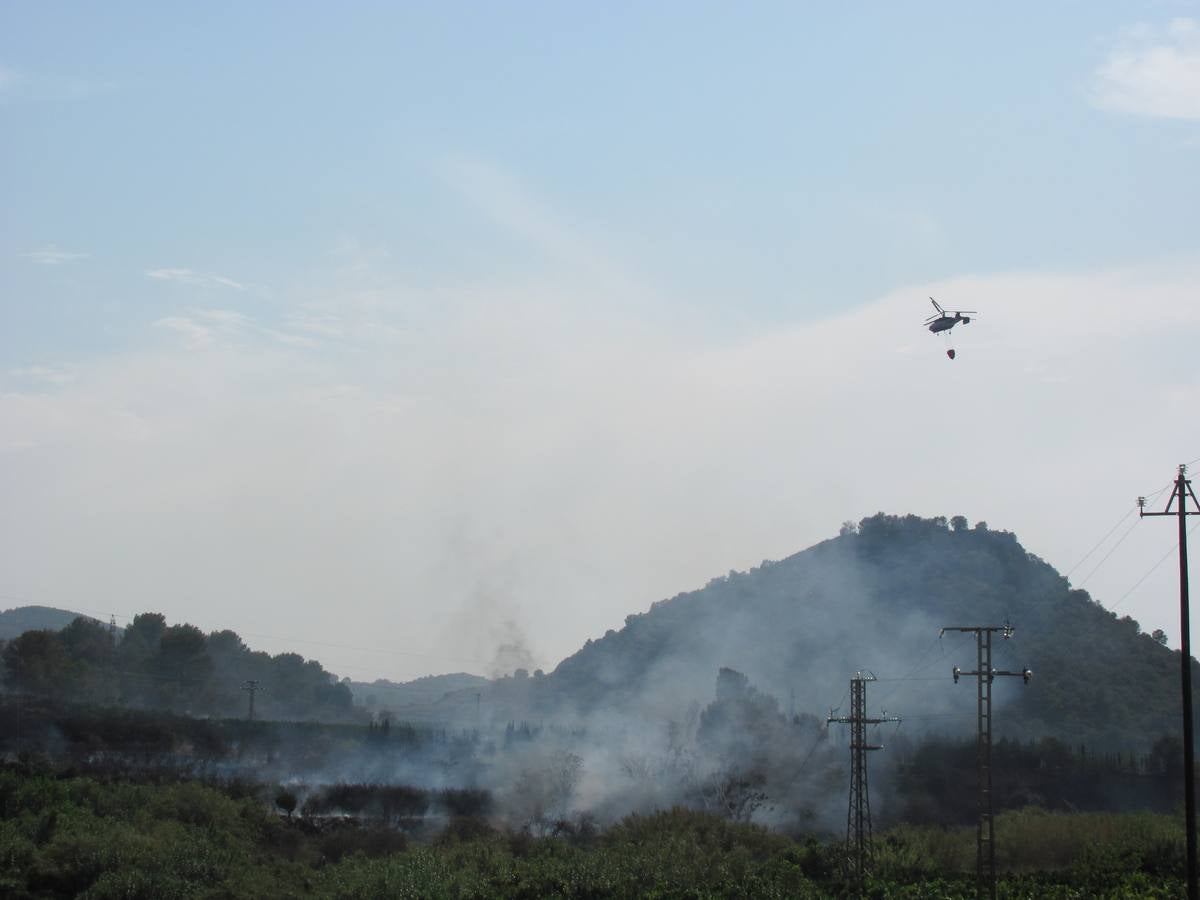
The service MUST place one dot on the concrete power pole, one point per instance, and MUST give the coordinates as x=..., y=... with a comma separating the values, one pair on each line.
x=985, y=837
x=859, y=846
x=1183, y=490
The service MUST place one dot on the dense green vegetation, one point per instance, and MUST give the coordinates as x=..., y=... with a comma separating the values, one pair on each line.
x=118, y=740
x=176, y=668
x=62, y=834
x=926, y=778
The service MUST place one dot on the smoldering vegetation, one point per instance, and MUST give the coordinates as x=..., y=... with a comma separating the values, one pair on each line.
x=738, y=758
x=714, y=700
x=71, y=834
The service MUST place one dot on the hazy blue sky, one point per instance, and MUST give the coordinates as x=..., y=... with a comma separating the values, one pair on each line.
x=427, y=328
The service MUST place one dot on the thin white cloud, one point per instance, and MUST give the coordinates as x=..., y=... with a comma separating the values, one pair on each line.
x=611, y=467
x=325, y=325
x=195, y=335
x=43, y=374
x=1155, y=72
x=228, y=329
x=228, y=319
x=185, y=275
x=506, y=201
x=292, y=340
x=190, y=276
x=52, y=256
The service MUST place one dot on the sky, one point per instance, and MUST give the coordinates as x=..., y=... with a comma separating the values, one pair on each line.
x=437, y=337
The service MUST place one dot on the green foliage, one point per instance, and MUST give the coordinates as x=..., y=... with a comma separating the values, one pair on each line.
x=286, y=801
x=1062, y=854
x=37, y=662
x=1045, y=773
x=372, y=841
x=63, y=835
x=170, y=667
x=75, y=836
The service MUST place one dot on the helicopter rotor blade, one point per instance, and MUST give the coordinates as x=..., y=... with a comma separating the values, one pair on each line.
x=937, y=306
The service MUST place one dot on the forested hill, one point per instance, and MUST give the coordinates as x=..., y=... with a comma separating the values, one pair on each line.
x=874, y=599
x=15, y=622
x=178, y=668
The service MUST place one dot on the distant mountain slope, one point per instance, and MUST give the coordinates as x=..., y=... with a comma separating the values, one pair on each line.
x=393, y=695
x=15, y=622
x=874, y=599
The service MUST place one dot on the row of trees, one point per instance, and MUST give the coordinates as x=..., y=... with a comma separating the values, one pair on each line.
x=171, y=667
x=766, y=757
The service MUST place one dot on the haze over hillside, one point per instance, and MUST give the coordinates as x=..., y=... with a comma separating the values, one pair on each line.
x=710, y=697
x=384, y=695
x=873, y=599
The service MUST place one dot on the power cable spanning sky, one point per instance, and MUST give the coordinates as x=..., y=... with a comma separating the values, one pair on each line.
x=456, y=334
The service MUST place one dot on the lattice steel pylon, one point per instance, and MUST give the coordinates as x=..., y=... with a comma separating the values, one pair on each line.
x=859, y=848
x=985, y=837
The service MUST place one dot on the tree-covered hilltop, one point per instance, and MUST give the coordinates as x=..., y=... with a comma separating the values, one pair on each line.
x=874, y=599
x=15, y=622
x=177, y=668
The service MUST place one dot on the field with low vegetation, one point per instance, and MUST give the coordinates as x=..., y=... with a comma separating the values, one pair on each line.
x=67, y=834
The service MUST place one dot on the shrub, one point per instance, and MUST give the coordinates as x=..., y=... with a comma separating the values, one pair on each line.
x=370, y=842
x=463, y=829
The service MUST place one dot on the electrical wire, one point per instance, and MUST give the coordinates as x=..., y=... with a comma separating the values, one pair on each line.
x=821, y=735
x=1107, y=555
x=921, y=665
x=1174, y=549
x=1154, y=495
x=969, y=715
x=1096, y=546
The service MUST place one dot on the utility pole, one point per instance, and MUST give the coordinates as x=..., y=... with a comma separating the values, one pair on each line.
x=114, y=692
x=1183, y=490
x=858, y=813
x=985, y=837
x=251, y=687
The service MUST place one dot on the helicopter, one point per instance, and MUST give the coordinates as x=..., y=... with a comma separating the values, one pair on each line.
x=944, y=321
